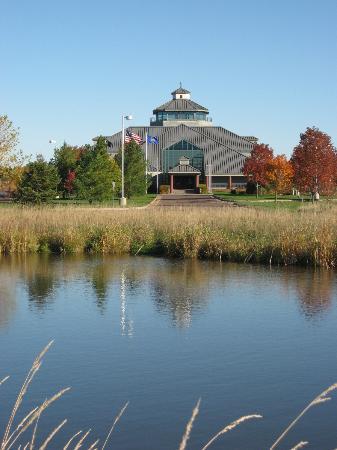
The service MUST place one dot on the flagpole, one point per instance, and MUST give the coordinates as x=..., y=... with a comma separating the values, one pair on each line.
x=146, y=163
x=122, y=199
x=157, y=174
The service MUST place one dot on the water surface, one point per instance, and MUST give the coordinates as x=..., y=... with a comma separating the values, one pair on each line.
x=162, y=333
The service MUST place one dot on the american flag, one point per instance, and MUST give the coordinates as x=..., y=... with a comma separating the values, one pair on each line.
x=130, y=136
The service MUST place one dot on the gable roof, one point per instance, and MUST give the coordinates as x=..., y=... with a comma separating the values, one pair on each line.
x=184, y=168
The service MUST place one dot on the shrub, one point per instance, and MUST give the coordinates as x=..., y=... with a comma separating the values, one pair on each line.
x=164, y=189
x=203, y=188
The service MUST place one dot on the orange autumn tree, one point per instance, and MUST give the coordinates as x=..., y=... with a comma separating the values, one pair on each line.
x=280, y=174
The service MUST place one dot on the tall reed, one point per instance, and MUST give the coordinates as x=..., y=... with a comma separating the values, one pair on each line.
x=307, y=237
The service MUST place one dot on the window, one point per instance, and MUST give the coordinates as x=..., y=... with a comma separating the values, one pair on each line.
x=172, y=155
x=200, y=116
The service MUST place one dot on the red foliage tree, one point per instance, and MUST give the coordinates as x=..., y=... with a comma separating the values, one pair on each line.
x=315, y=162
x=257, y=164
x=69, y=183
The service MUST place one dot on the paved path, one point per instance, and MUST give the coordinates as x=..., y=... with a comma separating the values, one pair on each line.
x=188, y=201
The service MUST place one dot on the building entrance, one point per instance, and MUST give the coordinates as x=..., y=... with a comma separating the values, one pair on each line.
x=184, y=176
x=184, y=182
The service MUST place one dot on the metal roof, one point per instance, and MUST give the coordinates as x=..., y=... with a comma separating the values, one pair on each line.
x=180, y=104
x=226, y=151
x=184, y=168
x=180, y=90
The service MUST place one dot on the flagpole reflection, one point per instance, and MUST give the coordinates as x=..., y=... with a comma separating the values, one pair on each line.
x=125, y=323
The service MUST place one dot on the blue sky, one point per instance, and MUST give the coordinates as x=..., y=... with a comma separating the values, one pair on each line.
x=70, y=68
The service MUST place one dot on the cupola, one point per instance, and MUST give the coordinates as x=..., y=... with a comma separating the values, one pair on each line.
x=181, y=110
x=181, y=93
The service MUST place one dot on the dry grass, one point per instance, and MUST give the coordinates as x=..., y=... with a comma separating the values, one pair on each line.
x=189, y=426
x=321, y=398
x=230, y=427
x=300, y=445
x=14, y=433
x=307, y=237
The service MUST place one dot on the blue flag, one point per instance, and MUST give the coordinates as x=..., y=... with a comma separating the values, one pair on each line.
x=152, y=139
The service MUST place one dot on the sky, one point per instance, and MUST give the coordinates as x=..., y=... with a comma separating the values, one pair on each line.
x=70, y=68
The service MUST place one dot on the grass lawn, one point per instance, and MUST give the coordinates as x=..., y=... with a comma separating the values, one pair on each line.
x=141, y=200
x=267, y=201
x=6, y=204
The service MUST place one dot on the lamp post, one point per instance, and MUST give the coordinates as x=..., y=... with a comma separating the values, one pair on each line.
x=209, y=172
x=113, y=193
x=157, y=175
x=146, y=162
x=123, y=199
x=315, y=193
x=315, y=178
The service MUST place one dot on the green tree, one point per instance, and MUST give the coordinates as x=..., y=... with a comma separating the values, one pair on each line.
x=134, y=169
x=65, y=159
x=95, y=173
x=38, y=183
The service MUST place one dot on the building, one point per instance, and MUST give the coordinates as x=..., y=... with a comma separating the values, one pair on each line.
x=190, y=149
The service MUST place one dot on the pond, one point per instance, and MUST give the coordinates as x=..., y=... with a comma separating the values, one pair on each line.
x=160, y=334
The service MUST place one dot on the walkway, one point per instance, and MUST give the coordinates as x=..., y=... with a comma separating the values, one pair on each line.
x=189, y=200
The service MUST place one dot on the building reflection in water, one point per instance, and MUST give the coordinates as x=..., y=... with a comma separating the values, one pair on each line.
x=179, y=289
